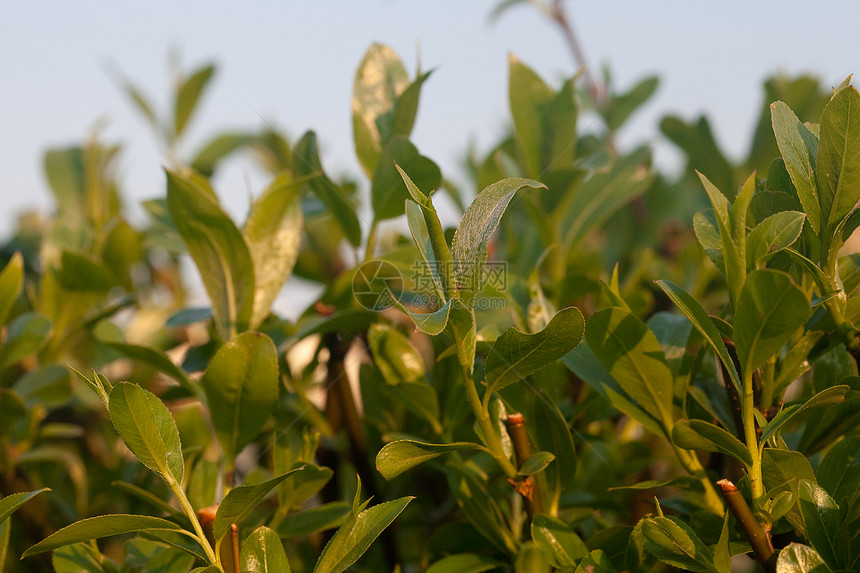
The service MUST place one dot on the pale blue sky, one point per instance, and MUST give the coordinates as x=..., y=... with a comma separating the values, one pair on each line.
x=292, y=62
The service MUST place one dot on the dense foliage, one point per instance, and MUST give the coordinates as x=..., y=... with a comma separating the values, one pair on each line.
x=598, y=368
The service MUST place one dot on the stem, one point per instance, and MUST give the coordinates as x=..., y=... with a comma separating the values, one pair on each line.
x=491, y=438
x=441, y=252
x=527, y=487
x=370, y=248
x=748, y=414
x=560, y=17
x=195, y=522
x=757, y=536
x=767, y=378
x=234, y=537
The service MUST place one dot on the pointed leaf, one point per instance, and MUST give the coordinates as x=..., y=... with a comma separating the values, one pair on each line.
x=798, y=148
x=397, y=457
x=327, y=516
x=145, y=425
x=516, y=355
x=821, y=518
x=394, y=355
x=219, y=252
x=529, y=96
x=25, y=336
x=633, y=356
x=837, y=167
x=262, y=552
x=830, y=396
x=464, y=563
x=241, y=384
x=273, y=233
x=387, y=190
x=839, y=471
x=772, y=235
x=188, y=96
x=11, y=284
x=12, y=502
x=770, y=309
x=98, y=527
x=477, y=225
x=797, y=558
x=563, y=547
x=156, y=358
x=673, y=542
x=701, y=435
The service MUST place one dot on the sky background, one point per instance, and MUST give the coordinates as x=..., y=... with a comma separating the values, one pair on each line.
x=292, y=63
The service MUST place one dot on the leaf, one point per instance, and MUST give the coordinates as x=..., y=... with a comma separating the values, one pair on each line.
x=516, y=355
x=797, y=558
x=536, y=463
x=772, y=235
x=306, y=162
x=216, y=149
x=241, y=385
x=397, y=457
x=49, y=386
x=604, y=193
x=461, y=329
x=25, y=336
x=703, y=323
x=387, y=189
x=464, y=563
x=320, y=518
x=837, y=167
x=431, y=323
x=241, y=501
x=262, y=552
x=770, y=309
x=477, y=225
x=528, y=96
x=821, y=519
x=356, y=535
x=273, y=233
x=798, y=148
x=673, y=542
x=98, y=527
x=623, y=105
x=11, y=284
x=480, y=508
x=419, y=398
x=782, y=470
x=10, y=503
x=563, y=547
x=415, y=217
x=839, y=471
x=145, y=425
x=156, y=358
x=406, y=106
x=828, y=397
x=188, y=95
x=633, y=356
x=394, y=355
x=701, y=435
x=379, y=81
x=219, y=252
x=12, y=409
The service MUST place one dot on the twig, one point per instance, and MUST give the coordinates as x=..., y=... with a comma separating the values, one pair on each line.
x=527, y=487
x=560, y=17
x=757, y=536
x=234, y=537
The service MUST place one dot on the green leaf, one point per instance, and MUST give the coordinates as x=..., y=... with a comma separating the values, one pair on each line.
x=703, y=323
x=604, y=193
x=25, y=336
x=397, y=457
x=219, y=252
x=415, y=217
x=188, y=95
x=536, y=463
x=273, y=233
x=622, y=106
x=821, y=519
x=262, y=552
x=216, y=149
x=241, y=501
x=516, y=355
x=772, y=235
x=461, y=329
x=837, y=167
x=406, y=106
x=419, y=398
x=673, y=542
x=394, y=355
x=306, y=162
x=839, y=471
x=529, y=96
x=156, y=358
x=11, y=284
x=722, y=550
x=477, y=225
x=241, y=385
x=701, y=435
x=48, y=385
x=798, y=147
x=320, y=518
x=828, y=397
x=431, y=323
x=78, y=558
x=797, y=558
x=563, y=547
x=387, y=189
x=464, y=563
x=770, y=309
x=379, y=81
x=782, y=471
x=480, y=508
x=145, y=425
x=10, y=503
x=595, y=562
x=12, y=409
x=633, y=356
x=98, y=527
x=356, y=535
